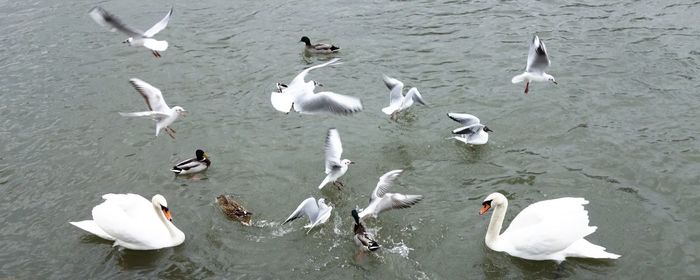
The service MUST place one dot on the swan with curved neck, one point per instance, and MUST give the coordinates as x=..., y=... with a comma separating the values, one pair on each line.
x=546, y=230
x=133, y=222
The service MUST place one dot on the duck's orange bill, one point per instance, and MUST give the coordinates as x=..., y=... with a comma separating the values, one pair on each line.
x=167, y=215
x=484, y=208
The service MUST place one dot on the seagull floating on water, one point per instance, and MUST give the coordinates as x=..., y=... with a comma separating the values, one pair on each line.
x=299, y=96
x=157, y=108
x=319, y=48
x=196, y=164
x=335, y=167
x=381, y=200
x=136, y=38
x=473, y=132
x=318, y=213
x=537, y=61
x=397, y=101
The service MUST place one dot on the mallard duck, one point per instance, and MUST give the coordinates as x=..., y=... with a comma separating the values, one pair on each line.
x=318, y=48
x=198, y=164
x=362, y=238
x=234, y=210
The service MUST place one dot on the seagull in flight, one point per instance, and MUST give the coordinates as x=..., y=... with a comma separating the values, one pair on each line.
x=381, y=200
x=335, y=167
x=537, y=61
x=317, y=212
x=299, y=96
x=473, y=132
x=397, y=101
x=157, y=108
x=136, y=38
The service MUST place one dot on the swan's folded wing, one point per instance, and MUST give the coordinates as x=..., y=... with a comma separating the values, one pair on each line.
x=548, y=226
x=119, y=224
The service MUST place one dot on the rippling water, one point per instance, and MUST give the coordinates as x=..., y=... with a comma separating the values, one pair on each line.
x=619, y=129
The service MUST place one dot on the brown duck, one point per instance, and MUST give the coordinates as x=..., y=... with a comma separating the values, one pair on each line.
x=234, y=210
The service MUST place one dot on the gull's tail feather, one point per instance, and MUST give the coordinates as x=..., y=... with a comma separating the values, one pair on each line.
x=324, y=183
x=519, y=78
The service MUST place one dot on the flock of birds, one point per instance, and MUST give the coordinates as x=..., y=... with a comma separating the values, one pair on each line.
x=547, y=230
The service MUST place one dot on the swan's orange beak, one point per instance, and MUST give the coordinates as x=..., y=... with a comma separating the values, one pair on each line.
x=167, y=215
x=485, y=207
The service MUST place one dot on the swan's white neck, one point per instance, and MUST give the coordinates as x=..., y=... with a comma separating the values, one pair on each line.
x=174, y=231
x=494, y=230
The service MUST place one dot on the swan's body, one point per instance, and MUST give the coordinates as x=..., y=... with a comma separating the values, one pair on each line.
x=473, y=132
x=136, y=38
x=133, y=222
x=196, y=164
x=158, y=110
x=335, y=167
x=234, y=210
x=381, y=200
x=319, y=48
x=537, y=62
x=546, y=230
x=299, y=96
x=363, y=239
x=317, y=212
x=397, y=101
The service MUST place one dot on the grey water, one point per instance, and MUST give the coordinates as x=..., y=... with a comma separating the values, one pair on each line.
x=620, y=129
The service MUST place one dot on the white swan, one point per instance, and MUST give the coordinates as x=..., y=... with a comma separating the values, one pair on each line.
x=546, y=230
x=133, y=222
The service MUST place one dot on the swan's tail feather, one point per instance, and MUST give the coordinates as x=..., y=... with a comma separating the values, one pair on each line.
x=519, y=78
x=584, y=249
x=91, y=227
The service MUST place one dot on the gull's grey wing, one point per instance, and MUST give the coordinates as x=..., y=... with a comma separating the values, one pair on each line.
x=333, y=149
x=384, y=183
x=537, y=57
x=299, y=79
x=465, y=119
x=396, y=201
x=159, y=26
x=396, y=88
x=106, y=19
x=152, y=95
x=327, y=102
x=471, y=129
x=307, y=207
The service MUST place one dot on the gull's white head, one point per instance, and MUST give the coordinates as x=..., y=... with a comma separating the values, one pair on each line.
x=346, y=162
x=128, y=41
x=317, y=84
x=179, y=110
x=550, y=78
